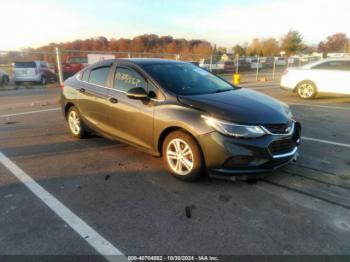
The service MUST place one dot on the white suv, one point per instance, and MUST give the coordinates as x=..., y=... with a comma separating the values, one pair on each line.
x=33, y=71
x=324, y=76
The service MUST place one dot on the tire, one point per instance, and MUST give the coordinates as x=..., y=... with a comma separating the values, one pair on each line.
x=186, y=164
x=306, y=90
x=75, y=123
x=17, y=83
x=43, y=80
x=5, y=80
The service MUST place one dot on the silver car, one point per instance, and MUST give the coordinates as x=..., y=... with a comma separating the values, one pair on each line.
x=33, y=71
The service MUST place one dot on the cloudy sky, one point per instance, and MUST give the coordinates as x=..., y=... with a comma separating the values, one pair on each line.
x=223, y=22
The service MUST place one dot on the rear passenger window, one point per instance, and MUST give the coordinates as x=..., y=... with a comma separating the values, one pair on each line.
x=347, y=65
x=85, y=76
x=331, y=65
x=44, y=65
x=126, y=79
x=99, y=76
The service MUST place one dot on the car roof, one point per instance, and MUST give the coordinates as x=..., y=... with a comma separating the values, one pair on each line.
x=147, y=61
x=138, y=61
x=308, y=66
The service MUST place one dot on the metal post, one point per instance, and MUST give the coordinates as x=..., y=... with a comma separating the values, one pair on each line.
x=274, y=68
x=129, y=55
x=211, y=62
x=257, y=69
x=59, y=65
x=237, y=63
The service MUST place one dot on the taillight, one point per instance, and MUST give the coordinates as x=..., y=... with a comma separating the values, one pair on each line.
x=62, y=86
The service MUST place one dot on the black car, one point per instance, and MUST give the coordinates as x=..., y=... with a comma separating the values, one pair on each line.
x=194, y=119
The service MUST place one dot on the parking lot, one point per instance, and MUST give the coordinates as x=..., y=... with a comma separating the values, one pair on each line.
x=62, y=196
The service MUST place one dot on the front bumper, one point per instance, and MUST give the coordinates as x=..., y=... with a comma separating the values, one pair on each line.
x=229, y=155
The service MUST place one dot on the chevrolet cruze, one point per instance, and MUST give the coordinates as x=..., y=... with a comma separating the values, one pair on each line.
x=195, y=120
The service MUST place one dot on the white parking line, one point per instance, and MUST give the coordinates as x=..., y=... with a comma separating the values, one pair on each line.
x=321, y=106
x=325, y=141
x=99, y=243
x=30, y=112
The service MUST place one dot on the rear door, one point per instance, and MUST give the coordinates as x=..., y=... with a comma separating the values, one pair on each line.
x=93, y=96
x=330, y=76
x=131, y=119
x=347, y=77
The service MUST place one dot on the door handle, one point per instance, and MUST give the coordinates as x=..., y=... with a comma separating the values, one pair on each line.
x=81, y=90
x=113, y=100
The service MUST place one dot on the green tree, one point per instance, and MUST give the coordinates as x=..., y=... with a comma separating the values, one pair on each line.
x=238, y=50
x=292, y=42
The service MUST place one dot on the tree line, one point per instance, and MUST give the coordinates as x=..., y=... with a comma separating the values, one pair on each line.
x=291, y=44
x=164, y=46
x=167, y=47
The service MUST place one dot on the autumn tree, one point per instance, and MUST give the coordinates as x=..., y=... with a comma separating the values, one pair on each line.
x=337, y=43
x=292, y=42
x=254, y=48
x=270, y=47
x=238, y=50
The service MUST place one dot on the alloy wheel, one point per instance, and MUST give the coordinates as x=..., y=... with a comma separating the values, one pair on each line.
x=74, y=122
x=306, y=90
x=180, y=157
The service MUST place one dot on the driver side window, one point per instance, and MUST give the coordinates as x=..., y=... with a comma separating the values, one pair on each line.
x=126, y=79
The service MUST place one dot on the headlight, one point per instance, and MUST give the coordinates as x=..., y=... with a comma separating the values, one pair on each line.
x=236, y=130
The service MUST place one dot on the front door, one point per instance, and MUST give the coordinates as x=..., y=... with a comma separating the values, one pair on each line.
x=131, y=119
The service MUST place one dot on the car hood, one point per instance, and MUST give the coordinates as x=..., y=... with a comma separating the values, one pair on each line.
x=241, y=106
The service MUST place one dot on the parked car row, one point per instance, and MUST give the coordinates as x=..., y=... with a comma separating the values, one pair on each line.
x=247, y=63
x=34, y=71
x=41, y=72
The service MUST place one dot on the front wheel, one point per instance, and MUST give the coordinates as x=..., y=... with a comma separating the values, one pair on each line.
x=307, y=90
x=43, y=80
x=182, y=156
x=5, y=81
x=75, y=123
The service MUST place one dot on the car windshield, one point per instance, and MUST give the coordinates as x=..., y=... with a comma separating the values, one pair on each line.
x=25, y=65
x=186, y=79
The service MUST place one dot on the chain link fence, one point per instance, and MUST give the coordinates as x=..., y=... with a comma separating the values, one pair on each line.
x=38, y=68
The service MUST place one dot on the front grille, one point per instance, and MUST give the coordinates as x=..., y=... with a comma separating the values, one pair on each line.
x=283, y=146
x=280, y=129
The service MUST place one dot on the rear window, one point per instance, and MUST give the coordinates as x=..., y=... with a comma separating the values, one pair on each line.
x=77, y=60
x=25, y=65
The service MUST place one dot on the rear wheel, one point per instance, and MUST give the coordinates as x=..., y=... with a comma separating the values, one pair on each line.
x=5, y=80
x=182, y=156
x=43, y=80
x=307, y=90
x=75, y=123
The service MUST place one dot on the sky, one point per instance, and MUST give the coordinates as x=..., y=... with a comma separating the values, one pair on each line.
x=32, y=23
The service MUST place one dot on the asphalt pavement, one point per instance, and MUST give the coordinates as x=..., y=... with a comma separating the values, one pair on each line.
x=130, y=204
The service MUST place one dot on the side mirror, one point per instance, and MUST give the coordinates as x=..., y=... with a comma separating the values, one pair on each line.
x=137, y=93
